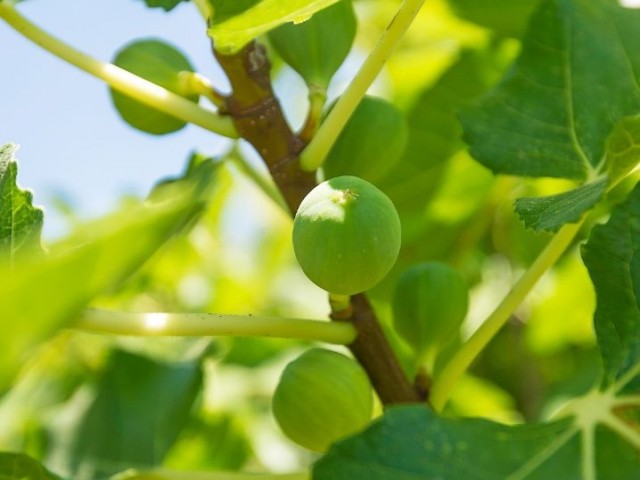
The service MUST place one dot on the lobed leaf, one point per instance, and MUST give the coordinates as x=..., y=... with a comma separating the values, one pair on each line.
x=20, y=221
x=505, y=17
x=236, y=22
x=412, y=443
x=612, y=256
x=577, y=75
x=552, y=212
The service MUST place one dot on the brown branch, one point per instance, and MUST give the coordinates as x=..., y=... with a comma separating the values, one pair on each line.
x=259, y=119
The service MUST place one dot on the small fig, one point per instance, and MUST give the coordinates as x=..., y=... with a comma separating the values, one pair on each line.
x=371, y=143
x=322, y=397
x=161, y=64
x=346, y=235
x=316, y=48
x=429, y=305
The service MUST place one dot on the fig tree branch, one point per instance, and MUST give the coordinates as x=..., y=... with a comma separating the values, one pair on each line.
x=259, y=119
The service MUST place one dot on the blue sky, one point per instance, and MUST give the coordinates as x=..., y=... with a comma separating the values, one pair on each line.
x=72, y=141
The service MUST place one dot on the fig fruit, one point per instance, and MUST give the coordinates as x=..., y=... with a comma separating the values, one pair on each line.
x=371, y=143
x=161, y=64
x=316, y=48
x=346, y=235
x=429, y=304
x=322, y=397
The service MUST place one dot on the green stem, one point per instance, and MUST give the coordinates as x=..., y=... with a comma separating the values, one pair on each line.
x=457, y=366
x=314, y=154
x=209, y=324
x=627, y=401
x=119, y=79
x=317, y=99
x=170, y=475
x=194, y=83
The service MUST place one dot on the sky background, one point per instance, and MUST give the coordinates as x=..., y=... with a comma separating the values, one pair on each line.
x=72, y=142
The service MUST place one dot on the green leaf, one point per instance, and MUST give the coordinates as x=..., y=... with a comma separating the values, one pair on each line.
x=167, y=5
x=552, y=212
x=316, y=48
x=577, y=75
x=40, y=297
x=132, y=416
x=612, y=256
x=505, y=17
x=237, y=22
x=623, y=147
x=162, y=64
x=412, y=443
x=20, y=221
x=17, y=466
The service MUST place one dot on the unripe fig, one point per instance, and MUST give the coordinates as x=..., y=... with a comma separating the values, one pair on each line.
x=346, y=235
x=371, y=143
x=429, y=305
x=322, y=397
x=161, y=64
x=316, y=48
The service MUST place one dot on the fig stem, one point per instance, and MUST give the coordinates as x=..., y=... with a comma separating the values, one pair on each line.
x=211, y=324
x=317, y=100
x=314, y=154
x=194, y=83
x=119, y=79
x=446, y=381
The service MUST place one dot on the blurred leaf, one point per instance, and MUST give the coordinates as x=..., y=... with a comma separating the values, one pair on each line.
x=552, y=113
x=20, y=221
x=138, y=408
x=237, y=22
x=316, y=48
x=505, y=17
x=167, y=5
x=219, y=443
x=16, y=466
x=39, y=297
x=612, y=256
x=552, y=212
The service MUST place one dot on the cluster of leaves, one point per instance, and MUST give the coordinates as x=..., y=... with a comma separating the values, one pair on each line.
x=543, y=89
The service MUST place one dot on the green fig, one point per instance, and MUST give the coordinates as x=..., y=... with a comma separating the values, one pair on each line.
x=371, y=143
x=429, y=304
x=322, y=397
x=161, y=64
x=316, y=48
x=346, y=235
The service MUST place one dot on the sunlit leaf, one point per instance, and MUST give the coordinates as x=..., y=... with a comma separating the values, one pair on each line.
x=237, y=22
x=40, y=297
